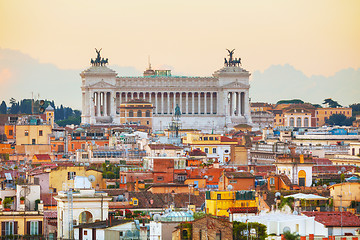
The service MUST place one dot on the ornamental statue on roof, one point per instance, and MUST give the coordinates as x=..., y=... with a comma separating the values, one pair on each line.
x=98, y=60
x=232, y=62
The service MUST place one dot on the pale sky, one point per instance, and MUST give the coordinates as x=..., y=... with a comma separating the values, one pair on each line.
x=317, y=37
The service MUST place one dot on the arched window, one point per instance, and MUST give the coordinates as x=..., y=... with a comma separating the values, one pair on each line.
x=298, y=122
x=85, y=217
x=292, y=122
x=302, y=178
x=131, y=113
x=147, y=113
x=139, y=114
x=306, y=122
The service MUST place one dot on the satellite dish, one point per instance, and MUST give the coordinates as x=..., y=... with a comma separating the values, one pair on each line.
x=91, y=178
x=229, y=187
x=206, y=176
x=252, y=171
x=277, y=194
x=157, y=217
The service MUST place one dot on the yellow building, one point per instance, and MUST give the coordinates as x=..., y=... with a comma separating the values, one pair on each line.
x=322, y=114
x=33, y=134
x=63, y=178
x=21, y=223
x=214, y=145
x=218, y=202
x=344, y=193
x=50, y=117
x=136, y=111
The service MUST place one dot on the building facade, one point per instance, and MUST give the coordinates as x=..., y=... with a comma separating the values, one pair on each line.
x=205, y=102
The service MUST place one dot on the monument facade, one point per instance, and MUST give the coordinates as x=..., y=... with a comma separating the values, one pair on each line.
x=205, y=103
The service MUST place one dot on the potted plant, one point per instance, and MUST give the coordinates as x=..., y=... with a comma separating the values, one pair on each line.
x=7, y=203
x=22, y=200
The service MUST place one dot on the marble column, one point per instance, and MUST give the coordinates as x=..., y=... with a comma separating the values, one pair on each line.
x=126, y=96
x=168, y=103
x=193, y=103
x=162, y=102
x=212, y=103
x=199, y=103
x=205, y=102
x=156, y=103
x=97, y=103
x=180, y=99
x=187, y=103
x=105, y=103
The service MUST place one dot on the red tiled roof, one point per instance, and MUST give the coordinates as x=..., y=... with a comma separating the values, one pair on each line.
x=335, y=219
x=238, y=175
x=42, y=156
x=197, y=152
x=164, y=146
x=243, y=210
x=226, y=139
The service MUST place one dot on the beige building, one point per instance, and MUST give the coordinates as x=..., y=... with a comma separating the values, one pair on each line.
x=343, y=193
x=33, y=134
x=322, y=114
x=136, y=111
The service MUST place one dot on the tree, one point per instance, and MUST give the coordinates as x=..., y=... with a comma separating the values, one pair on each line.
x=293, y=101
x=3, y=108
x=339, y=120
x=240, y=229
x=355, y=109
x=291, y=236
x=331, y=103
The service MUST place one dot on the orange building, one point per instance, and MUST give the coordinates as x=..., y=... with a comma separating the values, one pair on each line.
x=10, y=131
x=136, y=111
x=238, y=181
x=6, y=149
x=278, y=182
x=322, y=114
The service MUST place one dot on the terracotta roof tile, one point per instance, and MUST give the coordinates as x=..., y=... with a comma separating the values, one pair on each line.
x=335, y=219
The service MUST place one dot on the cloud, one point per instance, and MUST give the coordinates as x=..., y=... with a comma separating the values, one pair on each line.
x=285, y=82
x=20, y=75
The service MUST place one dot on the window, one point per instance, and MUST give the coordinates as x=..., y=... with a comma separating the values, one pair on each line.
x=206, y=138
x=272, y=181
x=34, y=228
x=33, y=141
x=147, y=114
x=226, y=151
x=83, y=146
x=71, y=175
x=219, y=197
x=214, y=150
x=135, y=202
x=233, y=181
x=9, y=228
x=211, y=138
x=292, y=122
x=279, y=120
x=160, y=178
x=218, y=235
x=139, y=113
x=306, y=122
x=298, y=122
x=11, y=132
x=131, y=113
x=206, y=150
x=26, y=133
x=40, y=132
x=72, y=146
x=147, y=122
x=85, y=232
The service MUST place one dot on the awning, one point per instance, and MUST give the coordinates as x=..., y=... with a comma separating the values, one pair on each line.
x=306, y=196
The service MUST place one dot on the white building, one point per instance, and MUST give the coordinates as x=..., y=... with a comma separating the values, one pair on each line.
x=278, y=223
x=80, y=206
x=205, y=102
